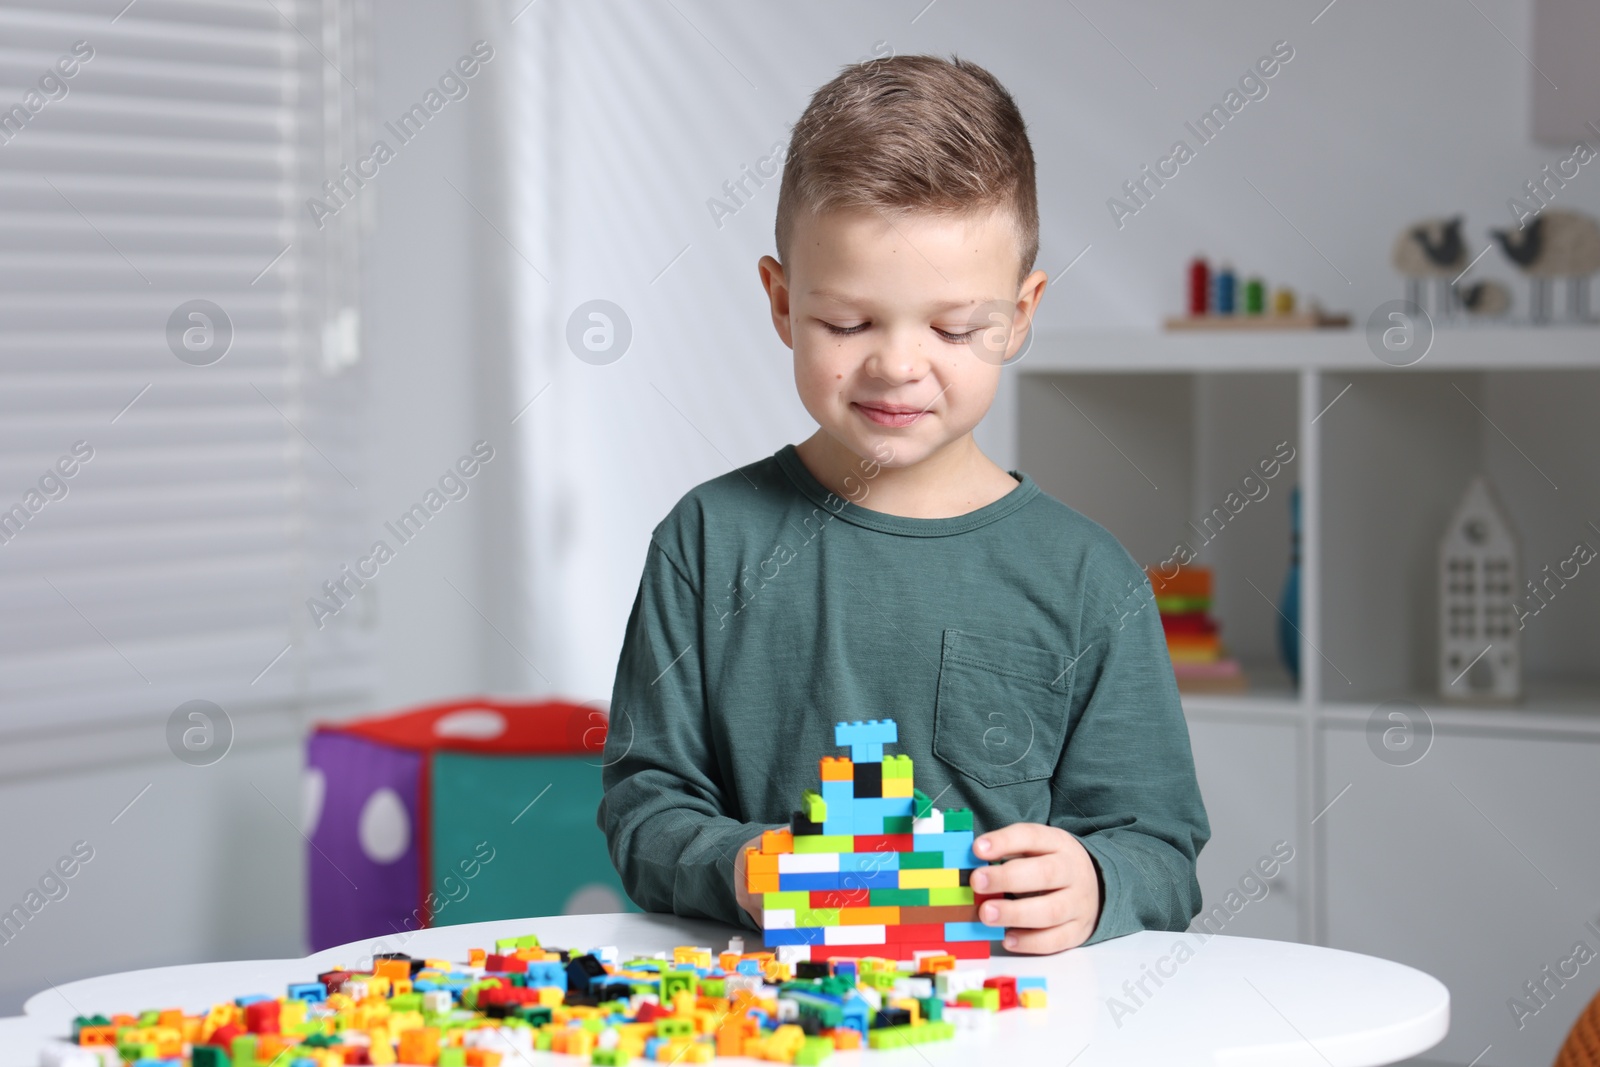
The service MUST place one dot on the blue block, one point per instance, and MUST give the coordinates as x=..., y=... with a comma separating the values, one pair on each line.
x=803, y=935
x=868, y=861
x=866, y=739
x=884, y=879
x=1030, y=983
x=748, y=967
x=845, y=969
x=251, y=998
x=543, y=973
x=838, y=793
x=881, y=807
x=973, y=932
x=866, y=822
x=310, y=992
x=808, y=881
x=651, y=1046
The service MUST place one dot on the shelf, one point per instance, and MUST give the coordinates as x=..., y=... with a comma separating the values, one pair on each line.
x=1271, y=693
x=1549, y=706
x=1465, y=347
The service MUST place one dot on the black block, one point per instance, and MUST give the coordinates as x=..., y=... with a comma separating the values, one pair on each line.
x=869, y=779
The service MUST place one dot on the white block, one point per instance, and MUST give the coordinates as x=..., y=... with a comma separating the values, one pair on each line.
x=605, y=954
x=788, y=1010
x=793, y=953
x=771, y=919
x=808, y=863
x=736, y=944
x=855, y=935
x=970, y=1020
x=873, y=998
x=749, y=982
x=950, y=984
x=436, y=1001
x=921, y=988
x=933, y=824
x=66, y=1054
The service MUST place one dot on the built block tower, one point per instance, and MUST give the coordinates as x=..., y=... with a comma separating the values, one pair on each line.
x=868, y=866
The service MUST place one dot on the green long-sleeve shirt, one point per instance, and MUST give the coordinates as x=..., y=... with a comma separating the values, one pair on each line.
x=1018, y=648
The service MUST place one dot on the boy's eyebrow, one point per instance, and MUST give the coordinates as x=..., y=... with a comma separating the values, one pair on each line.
x=945, y=305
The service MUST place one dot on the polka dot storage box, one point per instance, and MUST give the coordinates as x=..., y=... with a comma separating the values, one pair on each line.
x=452, y=813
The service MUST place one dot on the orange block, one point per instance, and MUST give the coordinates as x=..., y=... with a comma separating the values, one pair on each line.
x=761, y=883
x=476, y=957
x=97, y=1036
x=837, y=769
x=393, y=970
x=777, y=842
x=760, y=862
x=1189, y=581
x=844, y=1038
x=879, y=916
x=420, y=1045
x=482, y=1057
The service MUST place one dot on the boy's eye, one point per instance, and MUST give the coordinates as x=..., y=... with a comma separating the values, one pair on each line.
x=956, y=338
x=843, y=331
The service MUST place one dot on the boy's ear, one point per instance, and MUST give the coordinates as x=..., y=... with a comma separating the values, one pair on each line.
x=1028, y=297
x=777, y=287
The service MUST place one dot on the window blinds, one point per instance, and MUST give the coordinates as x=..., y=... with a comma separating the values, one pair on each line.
x=180, y=388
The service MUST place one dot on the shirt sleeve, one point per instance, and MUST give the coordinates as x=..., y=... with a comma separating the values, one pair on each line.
x=665, y=812
x=1125, y=785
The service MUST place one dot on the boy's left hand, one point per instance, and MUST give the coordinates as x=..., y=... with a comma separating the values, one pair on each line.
x=1054, y=880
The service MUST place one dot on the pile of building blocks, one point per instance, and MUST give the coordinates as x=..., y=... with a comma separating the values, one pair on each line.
x=869, y=866
x=501, y=1006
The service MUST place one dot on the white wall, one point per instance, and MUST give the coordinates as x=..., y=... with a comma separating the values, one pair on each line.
x=1387, y=113
x=202, y=866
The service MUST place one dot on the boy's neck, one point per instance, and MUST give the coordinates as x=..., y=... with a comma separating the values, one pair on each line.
x=955, y=480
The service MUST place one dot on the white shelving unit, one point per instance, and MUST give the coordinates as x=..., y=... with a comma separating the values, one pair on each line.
x=1477, y=862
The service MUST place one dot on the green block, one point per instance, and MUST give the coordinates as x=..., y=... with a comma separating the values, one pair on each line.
x=713, y=987
x=534, y=1014
x=808, y=917
x=243, y=1050
x=957, y=819
x=897, y=766
x=453, y=1057
x=897, y=824
x=541, y=1039
x=672, y=982
x=987, y=999
x=921, y=861
x=484, y=866
x=405, y=1002
x=88, y=1020
x=209, y=1056
x=674, y=1027
x=961, y=894
x=932, y=1008
x=792, y=899
x=149, y=1018
x=813, y=843
x=900, y=898
x=815, y=808
x=922, y=806
x=837, y=986
x=608, y=1057
x=814, y=1051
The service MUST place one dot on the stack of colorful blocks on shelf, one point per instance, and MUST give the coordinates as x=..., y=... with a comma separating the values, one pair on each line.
x=869, y=866
x=1194, y=641
x=500, y=1007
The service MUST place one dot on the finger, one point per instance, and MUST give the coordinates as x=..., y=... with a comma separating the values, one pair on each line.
x=1018, y=839
x=1030, y=874
x=1069, y=934
x=1035, y=912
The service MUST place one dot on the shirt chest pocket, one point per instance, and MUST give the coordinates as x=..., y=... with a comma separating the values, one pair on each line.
x=1001, y=710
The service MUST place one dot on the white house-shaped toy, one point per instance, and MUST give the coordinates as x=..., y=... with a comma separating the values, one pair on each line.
x=1480, y=644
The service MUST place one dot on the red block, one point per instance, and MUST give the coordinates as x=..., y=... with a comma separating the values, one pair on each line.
x=884, y=843
x=961, y=950
x=921, y=933
x=505, y=965
x=262, y=1017
x=649, y=1013
x=841, y=898
x=1007, y=985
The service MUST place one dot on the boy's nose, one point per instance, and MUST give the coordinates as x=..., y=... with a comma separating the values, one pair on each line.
x=898, y=360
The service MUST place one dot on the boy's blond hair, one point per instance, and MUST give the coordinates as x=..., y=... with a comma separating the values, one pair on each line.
x=912, y=134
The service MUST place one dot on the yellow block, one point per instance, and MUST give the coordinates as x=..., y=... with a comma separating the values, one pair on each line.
x=1032, y=998
x=941, y=878
x=897, y=787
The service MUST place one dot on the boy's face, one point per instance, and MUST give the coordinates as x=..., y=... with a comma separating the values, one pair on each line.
x=900, y=325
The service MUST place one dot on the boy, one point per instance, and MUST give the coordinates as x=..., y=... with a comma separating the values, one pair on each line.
x=885, y=568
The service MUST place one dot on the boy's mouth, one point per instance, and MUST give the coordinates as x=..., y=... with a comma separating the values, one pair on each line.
x=890, y=414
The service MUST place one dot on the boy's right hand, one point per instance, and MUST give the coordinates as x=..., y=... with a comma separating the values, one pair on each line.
x=750, y=903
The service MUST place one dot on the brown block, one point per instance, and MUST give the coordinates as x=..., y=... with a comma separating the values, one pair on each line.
x=944, y=913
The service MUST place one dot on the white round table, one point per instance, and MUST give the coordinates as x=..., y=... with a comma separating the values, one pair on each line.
x=1130, y=1002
